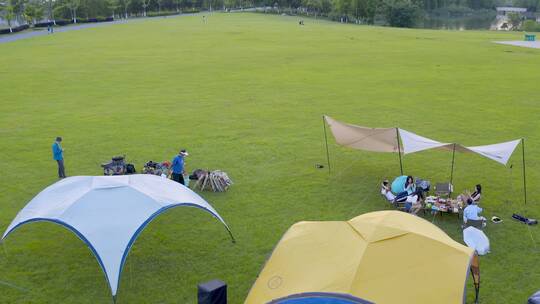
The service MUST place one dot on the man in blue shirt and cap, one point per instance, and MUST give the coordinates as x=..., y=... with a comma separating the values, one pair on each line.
x=177, y=167
x=58, y=156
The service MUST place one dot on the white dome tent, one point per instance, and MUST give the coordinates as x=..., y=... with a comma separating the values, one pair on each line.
x=109, y=212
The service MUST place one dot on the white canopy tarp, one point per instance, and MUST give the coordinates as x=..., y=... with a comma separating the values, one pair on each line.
x=108, y=212
x=363, y=138
x=498, y=152
x=415, y=143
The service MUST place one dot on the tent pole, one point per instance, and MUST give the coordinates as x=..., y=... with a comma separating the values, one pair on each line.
x=524, y=176
x=452, y=170
x=326, y=141
x=399, y=151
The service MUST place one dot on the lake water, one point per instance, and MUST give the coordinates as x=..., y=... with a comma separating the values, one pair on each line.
x=461, y=23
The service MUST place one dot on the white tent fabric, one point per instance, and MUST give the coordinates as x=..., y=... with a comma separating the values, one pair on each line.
x=498, y=152
x=362, y=138
x=476, y=239
x=108, y=212
x=415, y=143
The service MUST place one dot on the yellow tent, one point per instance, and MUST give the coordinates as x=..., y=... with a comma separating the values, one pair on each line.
x=381, y=257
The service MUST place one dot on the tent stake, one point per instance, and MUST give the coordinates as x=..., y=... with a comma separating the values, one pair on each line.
x=326, y=141
x=399, y=151
x=524, y=176
x=452, y=170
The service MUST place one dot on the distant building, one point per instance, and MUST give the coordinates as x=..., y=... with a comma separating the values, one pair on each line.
x=503, y=11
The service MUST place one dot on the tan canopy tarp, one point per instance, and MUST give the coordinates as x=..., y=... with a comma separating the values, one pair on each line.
x=362, y=138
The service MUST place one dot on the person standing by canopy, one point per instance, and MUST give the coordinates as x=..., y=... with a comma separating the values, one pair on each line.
x=177, y=167
x=58, y=156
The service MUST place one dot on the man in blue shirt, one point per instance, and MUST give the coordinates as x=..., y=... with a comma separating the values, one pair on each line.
x=58, y=156
x=177, y=167
x=472, y=212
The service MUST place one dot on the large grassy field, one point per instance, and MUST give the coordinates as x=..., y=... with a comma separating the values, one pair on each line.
x=245, y=94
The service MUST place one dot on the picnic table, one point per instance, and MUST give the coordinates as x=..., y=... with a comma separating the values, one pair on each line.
x=437, y=204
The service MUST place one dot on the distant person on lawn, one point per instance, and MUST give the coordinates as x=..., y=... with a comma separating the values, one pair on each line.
x=58, y=156
x=177, y=167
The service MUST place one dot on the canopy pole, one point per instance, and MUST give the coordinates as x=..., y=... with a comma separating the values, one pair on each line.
x=326, y=141
x=399, y=151
x=524, y=176
x=452, y=170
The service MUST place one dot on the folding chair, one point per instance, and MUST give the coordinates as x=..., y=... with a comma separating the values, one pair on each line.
x=444, y=189
x=478, y=224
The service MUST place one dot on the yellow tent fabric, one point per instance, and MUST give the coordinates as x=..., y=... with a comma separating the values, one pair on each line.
x=382, y=257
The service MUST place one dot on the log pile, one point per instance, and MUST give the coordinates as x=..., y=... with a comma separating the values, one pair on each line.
x=216, y=181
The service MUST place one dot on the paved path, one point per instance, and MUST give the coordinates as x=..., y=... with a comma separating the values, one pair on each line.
x=58, y=29
x=528, y=44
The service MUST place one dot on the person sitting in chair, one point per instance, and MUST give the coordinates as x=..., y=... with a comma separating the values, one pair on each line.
x=413, y=204
x=472, y=211
x=475, y=196
x=386, y=192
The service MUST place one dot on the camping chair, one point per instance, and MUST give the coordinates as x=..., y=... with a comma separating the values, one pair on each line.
x=398, y=205
x=444, y=189
x=475, y=273
x=478, y=224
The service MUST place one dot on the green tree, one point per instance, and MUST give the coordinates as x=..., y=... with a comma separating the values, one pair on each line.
x=314, y=6
x=33, y=12
x=113, y=5
x=125, y=5
x=145, y=4
x=73, y=6
x=400, y=13
x=8, y=13
x=515, y=20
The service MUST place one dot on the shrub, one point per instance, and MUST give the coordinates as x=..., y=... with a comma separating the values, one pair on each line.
x=400, y=13
x=162, y=13
x=43, y=24
x=531, y=26
x=15, y=29
x=63, y=22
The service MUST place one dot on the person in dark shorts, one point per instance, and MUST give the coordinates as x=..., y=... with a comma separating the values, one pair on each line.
x=58, y=156
x=177, y=167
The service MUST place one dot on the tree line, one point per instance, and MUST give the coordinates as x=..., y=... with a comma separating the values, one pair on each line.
x=395, y=12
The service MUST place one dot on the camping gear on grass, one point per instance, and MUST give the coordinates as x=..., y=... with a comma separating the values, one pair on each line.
x=109, y=212
x=216, y=181
x=535, y=298
x=524, y=220
x=403, y=142
x=118, y=166
x=476, y=239
x=399, y=184
x=158, y=169
x=212, y=292
x=380, y=257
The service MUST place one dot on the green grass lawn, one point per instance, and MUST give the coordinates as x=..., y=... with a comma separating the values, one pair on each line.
x=245, y=94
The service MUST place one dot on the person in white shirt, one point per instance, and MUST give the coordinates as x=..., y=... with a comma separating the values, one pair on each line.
x=386, y=192
x=472, y=211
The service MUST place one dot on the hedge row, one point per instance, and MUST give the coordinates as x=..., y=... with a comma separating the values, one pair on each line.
x=14, y=29
x=156, y=14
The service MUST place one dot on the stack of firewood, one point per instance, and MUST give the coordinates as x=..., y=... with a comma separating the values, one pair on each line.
x=216, y=181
